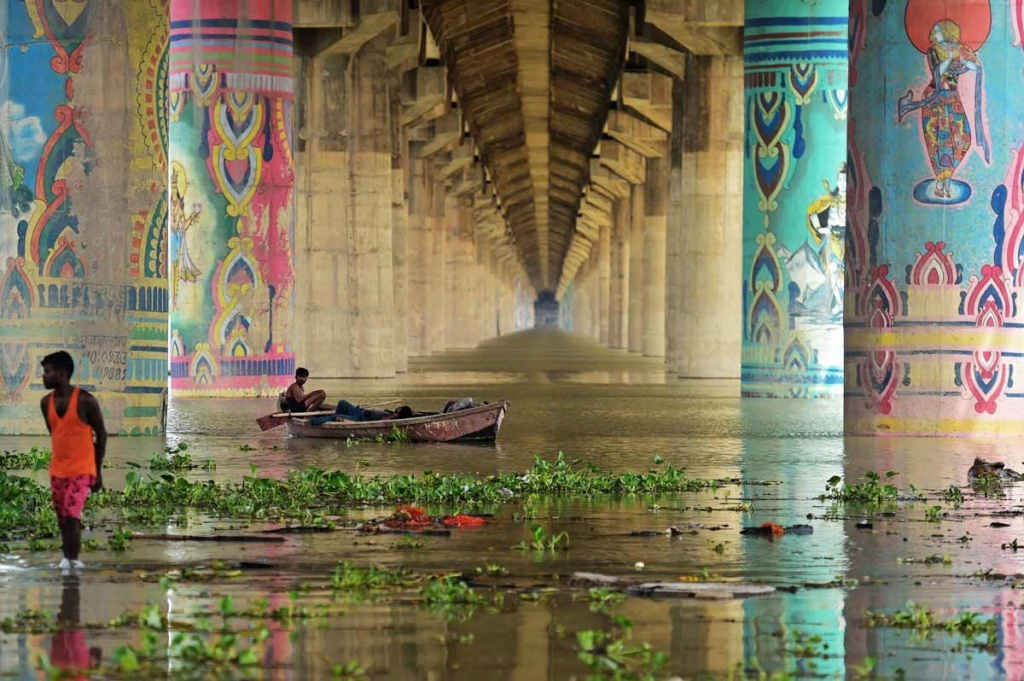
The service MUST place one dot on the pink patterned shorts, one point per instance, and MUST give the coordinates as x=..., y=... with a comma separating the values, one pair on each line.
x=69, y=494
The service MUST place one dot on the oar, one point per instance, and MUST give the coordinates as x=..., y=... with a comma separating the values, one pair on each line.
x=274, y=420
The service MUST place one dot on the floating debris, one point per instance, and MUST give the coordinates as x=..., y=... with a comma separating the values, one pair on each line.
x=775, y=531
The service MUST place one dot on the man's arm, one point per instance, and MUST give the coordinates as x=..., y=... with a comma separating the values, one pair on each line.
x=94, y=417
x=44, y=406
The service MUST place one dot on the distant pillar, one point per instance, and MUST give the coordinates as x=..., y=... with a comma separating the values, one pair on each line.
x=421, y=224
x=347, y=282
x=656, y=204
x=83, y=208
x=438, y=266
x=604, y=283
x=637, y=223
x=794, y=198
x=935, y=255
x=618, y=324
x=545, y=310
x=231, y=257
x=705, y=220
x=399, y=236
x=463, y=287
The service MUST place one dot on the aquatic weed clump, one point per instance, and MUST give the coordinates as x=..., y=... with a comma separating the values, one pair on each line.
x=27, y=509
x=314, y=492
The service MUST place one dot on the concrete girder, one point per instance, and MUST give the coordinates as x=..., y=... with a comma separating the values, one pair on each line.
x=647, y=140
x=370, y=26
x=649, y=94
x=624, y=162
x=603, y=181
x=442, y=143
x=672, y=61
x=704, y=28
x=322, y=14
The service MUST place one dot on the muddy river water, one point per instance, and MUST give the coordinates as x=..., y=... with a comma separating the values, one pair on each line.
x=622, y=414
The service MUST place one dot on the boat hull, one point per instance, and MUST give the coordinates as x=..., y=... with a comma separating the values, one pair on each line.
x=477, y=424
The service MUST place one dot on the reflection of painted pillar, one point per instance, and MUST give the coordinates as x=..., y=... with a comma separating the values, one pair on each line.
x=794, y=218
x=618, y=324
x=656, y=189
x=704, y=221
x=231, y=259
x=637, y=220
x=82, y=206
x=936, y=260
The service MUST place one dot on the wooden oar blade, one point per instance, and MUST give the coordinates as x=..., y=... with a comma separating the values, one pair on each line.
x=272, y=420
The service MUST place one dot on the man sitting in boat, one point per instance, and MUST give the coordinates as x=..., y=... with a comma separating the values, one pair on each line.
x=297, y=399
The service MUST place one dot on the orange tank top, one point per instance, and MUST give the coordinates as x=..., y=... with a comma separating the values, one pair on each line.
x=71, y=441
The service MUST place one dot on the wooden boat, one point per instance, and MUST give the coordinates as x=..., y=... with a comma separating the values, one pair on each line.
x=477, y=423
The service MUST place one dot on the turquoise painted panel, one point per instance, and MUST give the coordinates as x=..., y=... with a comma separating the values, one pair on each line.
x=794, y=199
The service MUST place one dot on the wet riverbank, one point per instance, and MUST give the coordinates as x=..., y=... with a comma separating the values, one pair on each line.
x=619, y=413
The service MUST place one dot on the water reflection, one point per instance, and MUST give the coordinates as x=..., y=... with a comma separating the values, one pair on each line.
x=69, y=649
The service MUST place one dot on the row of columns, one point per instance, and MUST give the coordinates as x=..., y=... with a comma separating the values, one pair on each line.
x=385, y=260
x=662, y=275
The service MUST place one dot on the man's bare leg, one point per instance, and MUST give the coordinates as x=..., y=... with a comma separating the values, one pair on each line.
x=314, y=400
x=71, y=537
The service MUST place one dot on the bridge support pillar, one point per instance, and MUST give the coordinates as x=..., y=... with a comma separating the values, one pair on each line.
x=83, y=208
x=794, y=203
x=618, y=323
x=934, y=257
x=637, y=224
x=705, y=219
x=656, y=202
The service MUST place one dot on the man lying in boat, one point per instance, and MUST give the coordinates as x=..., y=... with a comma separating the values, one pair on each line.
x=351, y=412
x=296, y=398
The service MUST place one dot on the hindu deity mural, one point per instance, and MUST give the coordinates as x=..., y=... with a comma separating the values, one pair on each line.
x=935, y=255
x=83, y=211
x=231, y=197
x=794, y=223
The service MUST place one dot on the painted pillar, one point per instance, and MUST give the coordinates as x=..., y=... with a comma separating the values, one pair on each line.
x=656, y=203
x=637, y=220
x=231, y=212
x=604, y=272
x=795, y=54
x=936, y=229
x=618, y=324
x=705, y=220
x=83, y=208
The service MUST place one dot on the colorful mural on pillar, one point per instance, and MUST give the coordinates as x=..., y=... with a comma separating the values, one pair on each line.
x=83, y=206
x=231, y=208
x=936, y=224
x=794, y=218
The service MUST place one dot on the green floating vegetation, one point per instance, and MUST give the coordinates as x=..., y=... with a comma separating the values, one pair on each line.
x=35, y=459
x=981, y=632
x=871, y=491
x=314, y=492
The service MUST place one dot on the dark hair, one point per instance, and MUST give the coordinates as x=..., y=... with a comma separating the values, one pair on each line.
x=61, y=361
x=404, y=412
x=301, y=371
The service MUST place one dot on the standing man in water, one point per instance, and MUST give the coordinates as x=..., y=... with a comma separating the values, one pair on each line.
x=78, y=440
